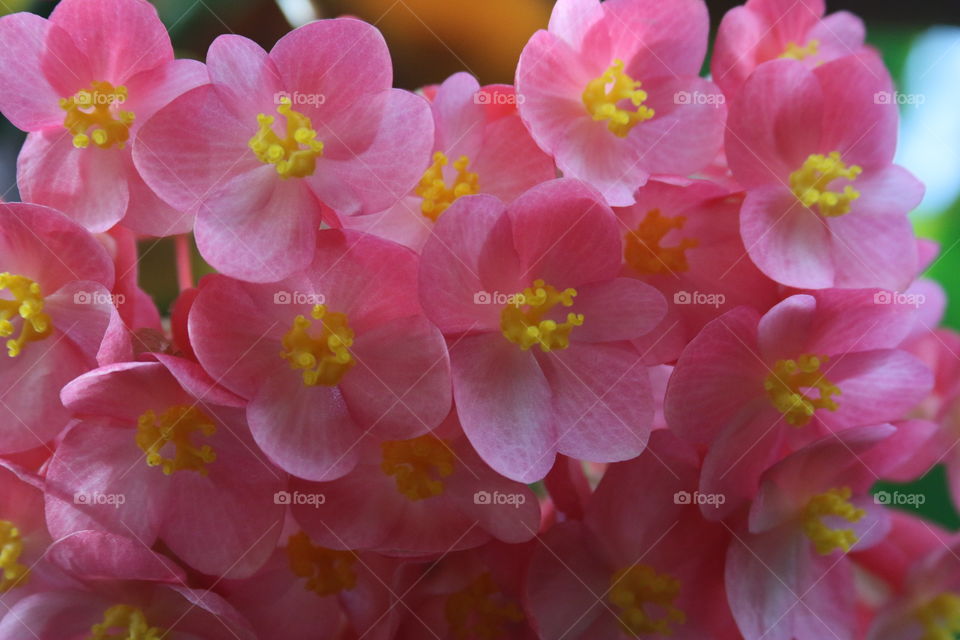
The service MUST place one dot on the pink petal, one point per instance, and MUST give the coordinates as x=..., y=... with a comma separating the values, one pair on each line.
x=720, y=370
x=572, y=19
x=775, y=123
x=787, y=241
x=466, y=262
x=505, y=405
x=99, y=479
x=602, y=402
x=619, y=309
x=137, y=39
x=862, y=127
x=565, y=234
x=330, y=55
x=105, y=556
x=780, y=589
x=40, y=65
x=80, y=182
x=306, y=431
x=876, y=386
x=260, y=231
x=246, y=80
x=47, y=247
x=367, y=169
x=400, y=387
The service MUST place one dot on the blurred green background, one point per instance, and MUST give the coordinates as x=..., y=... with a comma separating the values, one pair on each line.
x=430, y=39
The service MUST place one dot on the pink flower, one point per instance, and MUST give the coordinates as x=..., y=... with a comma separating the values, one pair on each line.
x=255, y=153
x=55, y=311
x=940, y=350
x=611, y=92
x=430, y=494
x=82, y=83
x=480, y=146
x=683, y=237
x=162, y=453
x=927, y=603
x=330, y=354
x=788, y=577
x=754, y=388
x=763, y=30
x=24, y=567
x=469, y=594
x=539, y=326
x=825, y=206
x=126, y=589
x=309, y=591
x=643, y=563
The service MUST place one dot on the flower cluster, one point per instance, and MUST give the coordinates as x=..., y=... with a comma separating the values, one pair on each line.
x=616, y=352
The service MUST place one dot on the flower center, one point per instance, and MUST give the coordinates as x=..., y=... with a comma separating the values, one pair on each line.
x=797, y=52
x=833, y=503
x=11, y=546
x=328, y=571
x=809, y=183
x=176, y=427
x=123, y=622
x=324, y=354
x=603, y=96
x=646, y=600
x=94, y=108
x=437, y=196
x=294, y=156
x=785, y=388
x=643, y=251
x=419, y=465
x=523, y=322
x=28, y=304
x=940, y=617
x=480, y=612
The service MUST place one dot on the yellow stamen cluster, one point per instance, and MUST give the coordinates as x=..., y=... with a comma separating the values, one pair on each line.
x=603, y=96
x=641, y=593
x=176, y=427
x=523, y=321
x=643, y=251
x=328, y=571
x=323, y=355
x=419, y=465
x=810, y=184
x=832, y=503
x=94, y=108
x=27, y=303
x=940, y=617
x=480, y=612
x=294, y=156
x=11, y=546
x=796, y=52
x=437, y=196
x=124, y=622
x=785, y=388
